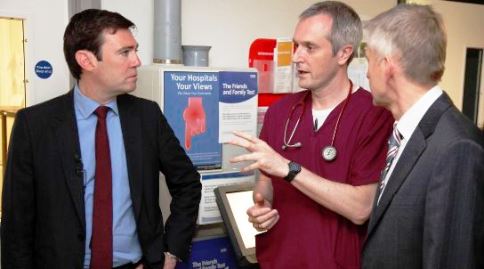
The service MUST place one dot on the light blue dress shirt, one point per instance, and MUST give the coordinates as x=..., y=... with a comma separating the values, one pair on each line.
x=126, y=247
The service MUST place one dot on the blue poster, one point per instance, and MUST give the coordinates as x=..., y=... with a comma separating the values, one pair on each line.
x=215, y=253
x=238, y=87
x=191, y=107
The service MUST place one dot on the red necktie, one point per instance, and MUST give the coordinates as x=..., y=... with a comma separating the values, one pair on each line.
x=102, y=220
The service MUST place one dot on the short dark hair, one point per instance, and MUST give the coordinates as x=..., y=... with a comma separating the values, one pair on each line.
x=85, y=32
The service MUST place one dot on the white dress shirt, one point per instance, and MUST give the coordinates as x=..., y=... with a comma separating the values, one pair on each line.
x=408, y=123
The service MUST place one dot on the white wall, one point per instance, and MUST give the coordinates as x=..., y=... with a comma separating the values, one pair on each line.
x=464, y=23
x=140, y=12
x=229, y=26
x=44, y=28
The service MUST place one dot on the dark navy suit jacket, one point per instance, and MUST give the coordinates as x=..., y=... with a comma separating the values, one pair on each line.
x=431, y=212
x=43, y=223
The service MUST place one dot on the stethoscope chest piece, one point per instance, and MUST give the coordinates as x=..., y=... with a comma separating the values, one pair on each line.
x=329, y=153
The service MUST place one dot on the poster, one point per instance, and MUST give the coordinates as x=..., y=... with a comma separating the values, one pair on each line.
x=191, y=108
x=238, y=103
x=210, y=253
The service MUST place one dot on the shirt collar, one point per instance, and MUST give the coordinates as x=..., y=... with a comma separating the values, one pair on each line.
x=411, y=118
x=86, y=105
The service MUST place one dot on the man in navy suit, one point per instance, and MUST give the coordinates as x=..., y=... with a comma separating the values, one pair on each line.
x=428, y=210
x=49, y=189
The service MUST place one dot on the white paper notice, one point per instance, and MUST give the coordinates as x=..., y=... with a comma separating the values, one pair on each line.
x=208, y=211
x=238, y=104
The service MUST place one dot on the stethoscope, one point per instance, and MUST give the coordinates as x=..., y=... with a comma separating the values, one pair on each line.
x=329, y=152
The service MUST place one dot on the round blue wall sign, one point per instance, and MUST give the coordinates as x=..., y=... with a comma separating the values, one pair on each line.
x=43, y=69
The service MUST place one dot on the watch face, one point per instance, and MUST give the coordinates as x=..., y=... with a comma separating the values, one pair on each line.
x=294, y=169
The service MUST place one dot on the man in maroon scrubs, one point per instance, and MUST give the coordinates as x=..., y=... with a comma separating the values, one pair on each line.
x=320, y=152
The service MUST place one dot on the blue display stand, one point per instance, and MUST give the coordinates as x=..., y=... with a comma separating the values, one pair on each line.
x=211, y=253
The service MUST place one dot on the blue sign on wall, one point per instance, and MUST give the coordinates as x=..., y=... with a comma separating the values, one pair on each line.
x=43, y=69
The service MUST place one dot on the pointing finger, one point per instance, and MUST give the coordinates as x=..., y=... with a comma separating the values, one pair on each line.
x=246, y=136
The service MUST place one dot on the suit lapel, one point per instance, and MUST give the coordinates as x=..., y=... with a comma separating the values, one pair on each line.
x=67, y=140
x=131, y=127
x=405, y=164
x=412, y=152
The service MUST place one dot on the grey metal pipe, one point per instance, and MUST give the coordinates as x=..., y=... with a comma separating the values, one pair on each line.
x=167, y=35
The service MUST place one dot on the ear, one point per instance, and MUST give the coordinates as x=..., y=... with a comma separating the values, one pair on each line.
x=86, y=60
x=344, y=54
x=390, y=66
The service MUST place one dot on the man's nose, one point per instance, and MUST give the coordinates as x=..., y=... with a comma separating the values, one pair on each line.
x=136, y=60
x=296, y=57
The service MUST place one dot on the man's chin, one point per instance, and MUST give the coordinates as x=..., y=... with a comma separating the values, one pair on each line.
x=303, y=85
x=128, y=89
x=377, y=101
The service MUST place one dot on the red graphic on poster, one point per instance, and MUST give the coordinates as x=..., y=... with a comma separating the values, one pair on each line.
x=194, y=117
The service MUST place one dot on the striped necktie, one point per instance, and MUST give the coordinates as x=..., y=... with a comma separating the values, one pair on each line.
x=393, y=145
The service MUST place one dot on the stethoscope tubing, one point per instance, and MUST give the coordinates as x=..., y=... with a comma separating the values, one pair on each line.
x=287, y=143
x=301, y=102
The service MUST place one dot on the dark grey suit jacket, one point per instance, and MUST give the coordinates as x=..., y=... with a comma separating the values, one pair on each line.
x=431, y=212
x=43, y=223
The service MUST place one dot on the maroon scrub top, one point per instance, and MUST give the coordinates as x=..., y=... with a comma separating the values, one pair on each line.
x=307, y=234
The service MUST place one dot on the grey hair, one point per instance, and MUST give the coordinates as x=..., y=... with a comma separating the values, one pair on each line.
x=347, y=26
x=415, y=34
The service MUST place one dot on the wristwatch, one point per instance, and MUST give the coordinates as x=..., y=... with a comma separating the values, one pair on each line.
x=294, y=169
